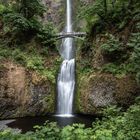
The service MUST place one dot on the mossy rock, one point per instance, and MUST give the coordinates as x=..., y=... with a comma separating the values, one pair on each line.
x=97, y=91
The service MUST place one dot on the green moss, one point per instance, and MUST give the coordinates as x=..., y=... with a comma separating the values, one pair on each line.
x=49, y=103
x=82, y=87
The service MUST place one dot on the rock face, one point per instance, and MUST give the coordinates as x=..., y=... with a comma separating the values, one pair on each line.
x=55, y=12
x=23, y=93
x=100, y=90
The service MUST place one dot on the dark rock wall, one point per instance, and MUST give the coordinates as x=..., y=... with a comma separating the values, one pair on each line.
x=55, y=12
x=23, y=93
x=101, y=90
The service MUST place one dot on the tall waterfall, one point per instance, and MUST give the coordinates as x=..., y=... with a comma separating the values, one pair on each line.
x=66, y=77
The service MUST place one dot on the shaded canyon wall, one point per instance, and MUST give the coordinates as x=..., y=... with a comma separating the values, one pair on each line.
x=23, y=93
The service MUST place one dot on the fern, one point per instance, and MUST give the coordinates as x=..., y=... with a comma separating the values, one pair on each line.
x=112, y=44
x=109, y=13
x=134, y=44
x=16, y=21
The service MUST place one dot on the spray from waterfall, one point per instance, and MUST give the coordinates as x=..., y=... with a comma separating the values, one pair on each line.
x=66, y=76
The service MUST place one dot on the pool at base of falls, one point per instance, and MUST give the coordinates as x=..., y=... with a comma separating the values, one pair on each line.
x=64, y=115
x=27, y=123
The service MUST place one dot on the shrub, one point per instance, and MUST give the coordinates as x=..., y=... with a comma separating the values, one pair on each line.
x=107, y=14
x=46, y=35
x=118, y=70
x=16, y=22
x=112, y=45
x=134, y=44
x=31, y=8
x=2, y=8
x=35, y=63
x=22, y=23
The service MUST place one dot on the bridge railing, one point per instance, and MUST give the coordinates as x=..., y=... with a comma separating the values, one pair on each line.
x=70, y=34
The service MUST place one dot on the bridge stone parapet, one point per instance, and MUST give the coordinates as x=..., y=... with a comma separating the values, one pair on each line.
x=70, y=34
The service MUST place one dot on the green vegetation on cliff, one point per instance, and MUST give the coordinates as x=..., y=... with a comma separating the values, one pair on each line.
x=21, y=21
x=112, y=44
x=24, y=37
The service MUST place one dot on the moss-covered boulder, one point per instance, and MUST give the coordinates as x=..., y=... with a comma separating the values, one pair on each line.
x=100, y=90
x=23, y=93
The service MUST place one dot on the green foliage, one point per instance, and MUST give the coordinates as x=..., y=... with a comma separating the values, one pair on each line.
x=76, y=132
x=116, y=54
x=35, y=63
x=134, y=43
x=31, y=60
x=30, y=8
x=120, y=51
x=2, y=8
x=49, y=130
x=15, y=22
x=119, y=70
x=84, y=67
x=22, y=22
x=45, y=35
x=4, y=53
x=119, y=126
x=115, y=125
x=112, y=44
x=111, y=111
x=107, y=14
x=112, y=25
x=5, y=8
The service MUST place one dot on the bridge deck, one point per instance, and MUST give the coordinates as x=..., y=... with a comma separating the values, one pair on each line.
x=70, y=34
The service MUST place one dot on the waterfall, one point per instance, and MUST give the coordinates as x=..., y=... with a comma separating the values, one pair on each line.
x=66, y=76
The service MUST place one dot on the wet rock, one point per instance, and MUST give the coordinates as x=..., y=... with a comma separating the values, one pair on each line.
x=100, y=90
x=55, y=12
x=4, y=123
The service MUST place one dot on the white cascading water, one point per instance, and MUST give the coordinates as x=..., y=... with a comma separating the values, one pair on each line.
x=66, y=77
